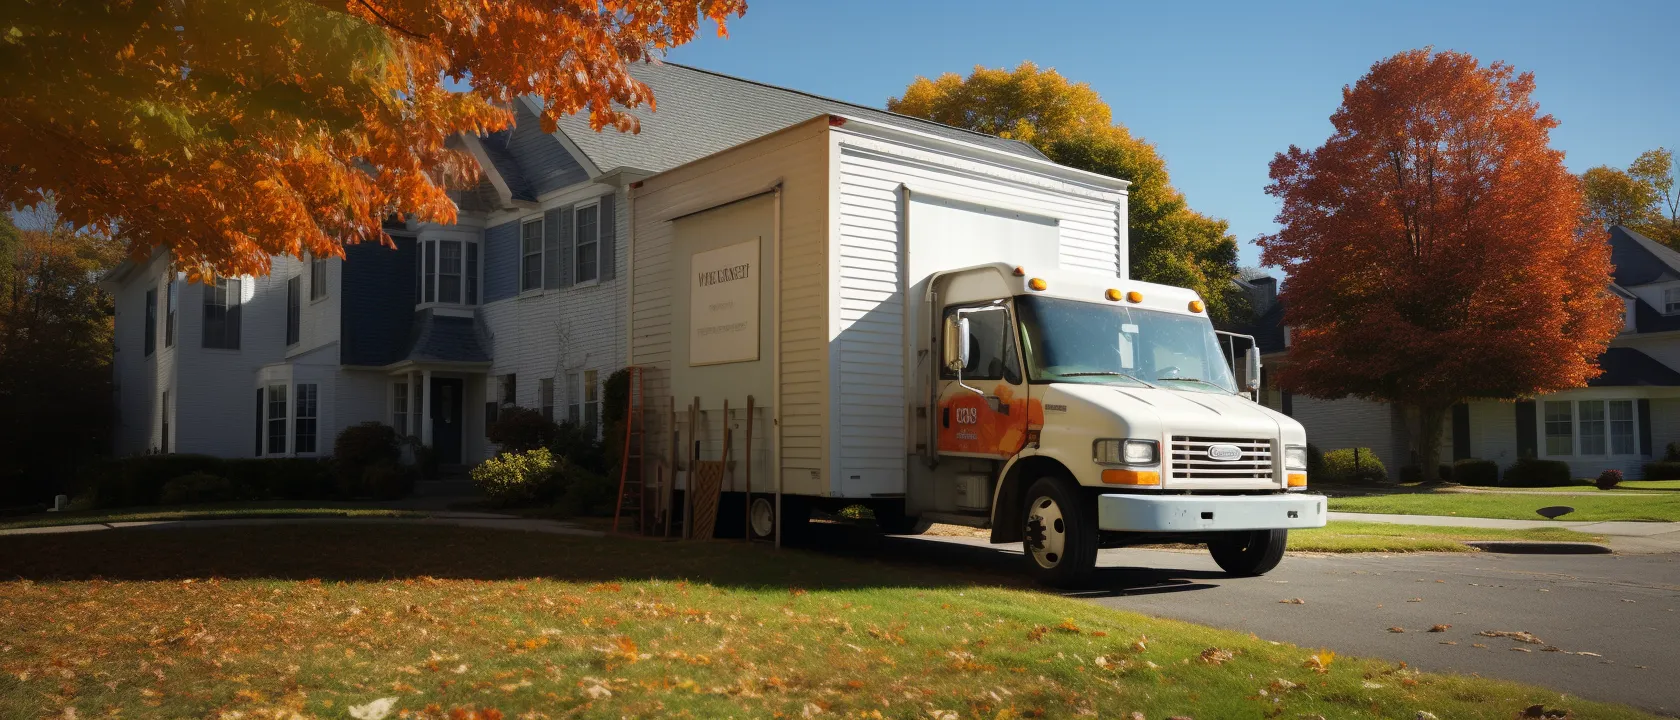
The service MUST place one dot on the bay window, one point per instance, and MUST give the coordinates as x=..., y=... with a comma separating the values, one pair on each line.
x=1590, y=428
x=448, y=272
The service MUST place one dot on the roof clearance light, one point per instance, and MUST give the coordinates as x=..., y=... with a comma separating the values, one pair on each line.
x=1134, y=296
x=1037, y=284
x=1195, y=306
x=1112, y=294
x=1020, y=271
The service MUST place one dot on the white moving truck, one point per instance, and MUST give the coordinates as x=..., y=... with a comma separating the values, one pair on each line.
x=942, y=331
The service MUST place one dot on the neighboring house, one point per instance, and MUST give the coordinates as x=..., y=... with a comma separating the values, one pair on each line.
x=521, y=302
x=1622, y=419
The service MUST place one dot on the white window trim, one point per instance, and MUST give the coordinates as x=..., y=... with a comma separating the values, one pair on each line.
x=408, y=405
x=542, y=256
x=433, y=246
x=1666, y=310
x=326, y=277
x=1575, y=428
x=591, y=203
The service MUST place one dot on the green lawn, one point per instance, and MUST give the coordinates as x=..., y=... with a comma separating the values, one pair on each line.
x=1657, y=506
x=1342, y=536
x=425, y=621
x=278, y=508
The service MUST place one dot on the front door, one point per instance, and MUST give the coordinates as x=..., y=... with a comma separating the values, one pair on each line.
x=446, y=419
x=984, y=412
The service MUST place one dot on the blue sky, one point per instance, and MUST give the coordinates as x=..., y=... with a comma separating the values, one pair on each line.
x=1221, y=87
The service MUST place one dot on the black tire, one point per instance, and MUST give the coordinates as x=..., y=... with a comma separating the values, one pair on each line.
x=892, y=521
x=1251, y=553
x=1073, y=518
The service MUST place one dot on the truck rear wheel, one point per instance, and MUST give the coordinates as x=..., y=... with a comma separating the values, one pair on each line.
x=1060, y=532
x=1247, y=554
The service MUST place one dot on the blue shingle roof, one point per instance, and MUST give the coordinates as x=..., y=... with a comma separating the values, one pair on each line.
x=446, y=338
x=1627, y=367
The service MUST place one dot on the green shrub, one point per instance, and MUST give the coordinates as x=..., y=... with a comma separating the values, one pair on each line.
x=359, y=447
x=577, y=443
x=386, y=480
x=583, y=492
x=518, y=478
x=1608, y=479
x=139, y=480
x=198, y=487
x=1473, y=471
x=1665, y=470
x=519, y=429
x=280, y=478
x=1353, y=466
x=1534, y=472
x=1672, y=453
x=1411, y=473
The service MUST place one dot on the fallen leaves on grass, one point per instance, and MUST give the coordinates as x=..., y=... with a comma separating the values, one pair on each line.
x=1216, y=656
x=374, y=709
x=1320, y=661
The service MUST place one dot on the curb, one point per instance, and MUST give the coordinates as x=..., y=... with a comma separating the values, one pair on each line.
x=1524, y=547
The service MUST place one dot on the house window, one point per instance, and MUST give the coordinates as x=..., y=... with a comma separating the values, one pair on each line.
x=399, y=407
x=591, y=401
x=1591, y=428
x=221, y=314
x=164, y=414
x=531, y=255
x=151, y=321
x=545, y=397
x=294, y=309
x=1671, y=300
x=507, y=389
x=318, y=278
x=1560, y=431
x=1623, y=436
x=574, y=399
x=303, y=430
x=449, y=271
x=171, y=297
x=276, y=419
x=588, y=253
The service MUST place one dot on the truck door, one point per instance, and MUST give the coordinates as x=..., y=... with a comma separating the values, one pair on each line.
x=983, y=409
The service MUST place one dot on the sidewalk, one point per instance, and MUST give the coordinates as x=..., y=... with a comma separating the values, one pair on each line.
x=1653, y=537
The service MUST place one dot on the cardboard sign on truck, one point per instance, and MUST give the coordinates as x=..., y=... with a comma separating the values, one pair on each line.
x=944, y=332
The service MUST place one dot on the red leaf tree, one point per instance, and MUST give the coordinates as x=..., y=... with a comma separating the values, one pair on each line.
x=1434, y=247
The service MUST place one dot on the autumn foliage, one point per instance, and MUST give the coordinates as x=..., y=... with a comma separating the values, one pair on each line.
x=1434, y=246
x=231, y=131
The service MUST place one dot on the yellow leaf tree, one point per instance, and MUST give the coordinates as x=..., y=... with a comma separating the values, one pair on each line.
x=1070, y=123
x=229, y=131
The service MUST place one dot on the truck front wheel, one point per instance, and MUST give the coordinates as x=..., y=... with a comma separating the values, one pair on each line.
x=1060, y=532
x=1247, y=554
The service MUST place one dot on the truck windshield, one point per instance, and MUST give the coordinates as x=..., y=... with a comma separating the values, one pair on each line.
x=1081, y=342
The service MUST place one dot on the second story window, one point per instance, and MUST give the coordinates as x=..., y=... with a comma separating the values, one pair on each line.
x=588, y=232
x=1671, y=301
x=531, y=255
x=318, y=278
x=221, y=314
x=449, y=272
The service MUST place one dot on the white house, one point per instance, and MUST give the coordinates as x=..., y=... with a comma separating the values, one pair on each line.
x=1622, y=419
x=521, y=302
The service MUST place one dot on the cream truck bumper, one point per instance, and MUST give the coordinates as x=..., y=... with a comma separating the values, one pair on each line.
x=1209, y=513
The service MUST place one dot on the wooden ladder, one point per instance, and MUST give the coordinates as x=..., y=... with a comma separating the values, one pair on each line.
x=631, y=498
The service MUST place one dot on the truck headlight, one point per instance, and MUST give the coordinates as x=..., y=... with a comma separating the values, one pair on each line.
x=1295, y=457
x=1116, y=451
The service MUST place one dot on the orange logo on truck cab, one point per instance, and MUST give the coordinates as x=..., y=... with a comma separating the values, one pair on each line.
x=970, y=424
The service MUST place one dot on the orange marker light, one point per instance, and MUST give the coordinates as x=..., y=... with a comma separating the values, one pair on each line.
x=1131, y=477
x=1134, y=296
x=1020, y=271
x=1112, y=294
x=1037, y=284
x=1195, y=306
x=1297, y=479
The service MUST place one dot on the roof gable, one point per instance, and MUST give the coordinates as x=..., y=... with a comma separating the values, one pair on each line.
x=1639, y=260
x=701, y=113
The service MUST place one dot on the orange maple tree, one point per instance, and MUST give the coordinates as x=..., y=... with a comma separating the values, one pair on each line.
x=1434, y=247
x=229, y=131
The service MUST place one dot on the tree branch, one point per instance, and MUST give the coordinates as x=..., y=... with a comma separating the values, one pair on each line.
x=388, y=21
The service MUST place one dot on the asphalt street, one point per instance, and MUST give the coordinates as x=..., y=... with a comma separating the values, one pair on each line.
x=1622, y=609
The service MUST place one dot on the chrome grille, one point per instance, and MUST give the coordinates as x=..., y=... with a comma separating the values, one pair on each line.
x=1190, y=461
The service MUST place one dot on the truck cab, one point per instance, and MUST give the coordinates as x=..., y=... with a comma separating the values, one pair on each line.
x=1073, y=412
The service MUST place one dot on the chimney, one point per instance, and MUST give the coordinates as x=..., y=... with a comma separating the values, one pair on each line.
x=1263, y=293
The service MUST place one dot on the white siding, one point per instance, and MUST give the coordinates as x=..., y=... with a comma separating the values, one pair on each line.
x=1351, y=422
x=868, y=348
x=140, y=379
x=797, y=158
x=1493, y=431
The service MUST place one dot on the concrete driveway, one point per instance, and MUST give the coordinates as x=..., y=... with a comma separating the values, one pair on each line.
x=1622, y=609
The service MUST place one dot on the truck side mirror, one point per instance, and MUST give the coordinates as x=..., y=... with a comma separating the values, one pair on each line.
x=956, y=343
x=1253, y=368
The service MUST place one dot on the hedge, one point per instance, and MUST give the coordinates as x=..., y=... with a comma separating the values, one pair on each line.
x=141, y=480
x=1665, y=470
x=1533, y=472
x=1353, y=465
x=1474, y=471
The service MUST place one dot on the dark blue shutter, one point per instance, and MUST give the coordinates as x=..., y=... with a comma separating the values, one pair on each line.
x=1526, y=429
x=1461, y=431
x=561, y=220
x=607, y=221
x=1289, y=404
x=1645, y=427
x=235, y=294
x=259, y=421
